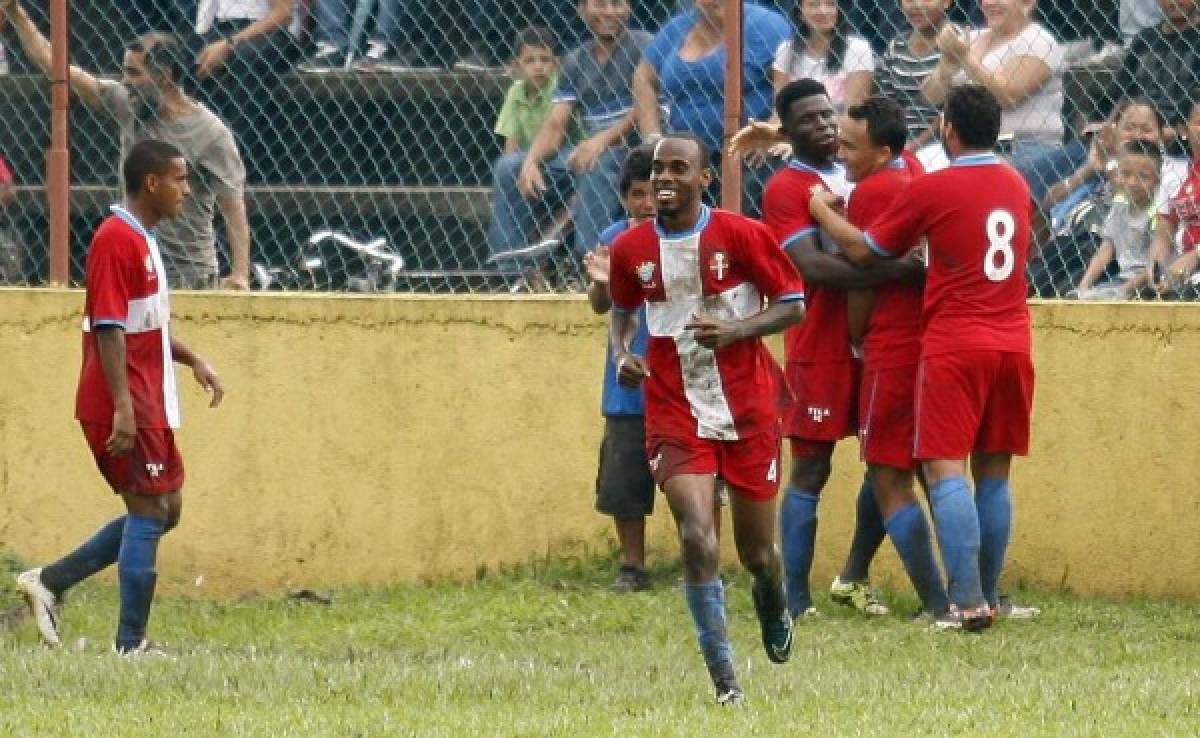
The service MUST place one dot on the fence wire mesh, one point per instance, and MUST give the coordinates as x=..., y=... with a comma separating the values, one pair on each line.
x=366, y=155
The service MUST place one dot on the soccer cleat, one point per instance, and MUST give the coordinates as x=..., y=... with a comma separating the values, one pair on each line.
x=146, y=649
x=730, y=694
x=977, y=619
x=776, y=629
x=808, y=613
x=1009, y=611
x=631, y=579
x=43, y=605
x=857, y=595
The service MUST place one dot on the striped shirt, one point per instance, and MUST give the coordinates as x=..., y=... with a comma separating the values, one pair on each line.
x=900, y=73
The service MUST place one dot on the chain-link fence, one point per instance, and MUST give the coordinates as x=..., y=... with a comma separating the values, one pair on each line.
x=368, y=155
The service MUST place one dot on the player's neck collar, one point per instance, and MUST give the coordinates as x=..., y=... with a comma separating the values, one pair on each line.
x=701, y=222
x=121, y=212
x=975, y=160
x=833, y=168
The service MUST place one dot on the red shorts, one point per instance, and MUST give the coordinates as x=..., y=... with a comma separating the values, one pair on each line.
x=750, y=466
x=973, y=401
x=885, y=410
x=825, y=401
x=153, y=467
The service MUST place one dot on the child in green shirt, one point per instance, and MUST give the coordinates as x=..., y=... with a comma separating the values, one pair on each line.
x=531, y=94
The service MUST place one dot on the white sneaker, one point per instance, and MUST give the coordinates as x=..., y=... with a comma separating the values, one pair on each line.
x=1009, y=610
x=43, y=605
x=146, y=649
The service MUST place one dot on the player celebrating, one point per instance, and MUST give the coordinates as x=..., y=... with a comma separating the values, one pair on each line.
x=126, y=401
x=710, y=405
x=871, y=140
x=821, y=369
x=975, y=377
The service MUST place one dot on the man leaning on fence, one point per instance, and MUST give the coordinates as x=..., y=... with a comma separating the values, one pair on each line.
x=149, y=103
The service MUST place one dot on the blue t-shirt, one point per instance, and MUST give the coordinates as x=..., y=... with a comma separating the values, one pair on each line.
x=617, y=399
x=694, y=92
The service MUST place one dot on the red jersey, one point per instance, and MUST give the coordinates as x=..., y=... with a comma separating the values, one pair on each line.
x=127, y=287
x=975, y=216
x=723, y=267
x=1183, y=209
x=825, y=333
x=894, y=327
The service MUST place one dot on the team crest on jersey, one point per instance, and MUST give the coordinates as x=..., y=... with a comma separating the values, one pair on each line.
x=645, y=274
x=718, y=264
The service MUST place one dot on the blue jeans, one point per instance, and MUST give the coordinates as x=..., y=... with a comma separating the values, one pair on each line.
x=334, y=18
x=1042, y=163
x=515, y=217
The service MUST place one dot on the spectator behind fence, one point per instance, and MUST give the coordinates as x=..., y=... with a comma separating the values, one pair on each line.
x=1079, y=205
x=12, y=251
x=1136, y=16
x=148, y=103
x=1163, y=64
x=529, y=98
x=684, y=68
x=826, y=48
x=595, y=85
x=1174, y=252
x=1020, y=63
x=247, y=51
x=1118, y=269
x=908, y=61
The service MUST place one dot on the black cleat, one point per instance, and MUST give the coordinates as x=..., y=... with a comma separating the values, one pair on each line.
x=776, y=629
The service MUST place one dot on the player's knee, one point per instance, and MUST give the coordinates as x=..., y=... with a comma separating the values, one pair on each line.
x=810, y=473
x=760, y=559
x=171, y=520
x=701, y=551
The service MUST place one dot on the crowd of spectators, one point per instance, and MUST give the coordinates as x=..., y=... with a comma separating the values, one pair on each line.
x=592, y=78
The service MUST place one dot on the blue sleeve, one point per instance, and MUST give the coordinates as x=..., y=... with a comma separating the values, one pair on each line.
x=608, y=235
x=666, y=41
x=765, y=30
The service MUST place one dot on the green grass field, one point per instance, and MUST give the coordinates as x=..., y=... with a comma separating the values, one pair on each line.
x=546, y=651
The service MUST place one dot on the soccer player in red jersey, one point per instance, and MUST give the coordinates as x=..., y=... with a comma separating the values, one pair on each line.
x=975, y=376
x=872, y=138
x=703, y=275
x=126, y=401
x=822, y=371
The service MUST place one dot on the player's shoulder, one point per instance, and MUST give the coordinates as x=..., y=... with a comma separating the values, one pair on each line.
x=114, y=232
x=725, y=221
x=638, y=236
x=790, y=182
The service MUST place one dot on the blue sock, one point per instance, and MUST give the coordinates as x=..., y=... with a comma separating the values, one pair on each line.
x=707, y=605
x=910, y=535
x=95, y=554
x=868, y=535
x=957, y=523
x=798, y=531
x=993, y=498
x=137, y=575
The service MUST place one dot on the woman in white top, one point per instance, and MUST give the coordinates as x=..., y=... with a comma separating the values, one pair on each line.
x=827, y=49
x=1020, y=62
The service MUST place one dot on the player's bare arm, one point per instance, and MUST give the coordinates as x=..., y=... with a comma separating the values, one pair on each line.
x=110, y=343
x=713, y=334
x=631, y=368
x=204, y=373
x=37, y=48
x=850, y=239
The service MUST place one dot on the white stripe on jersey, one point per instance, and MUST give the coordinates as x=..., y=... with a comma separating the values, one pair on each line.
x=684, y=298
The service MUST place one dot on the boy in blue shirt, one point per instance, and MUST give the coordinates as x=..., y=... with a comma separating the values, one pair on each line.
x=624, y=487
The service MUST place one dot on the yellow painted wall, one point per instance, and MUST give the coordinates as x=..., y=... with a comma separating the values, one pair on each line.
x=375, y=439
